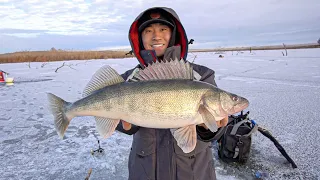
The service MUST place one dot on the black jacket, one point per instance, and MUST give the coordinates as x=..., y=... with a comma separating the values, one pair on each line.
x=154, y=152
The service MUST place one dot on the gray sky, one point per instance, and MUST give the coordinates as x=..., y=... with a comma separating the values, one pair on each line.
x=104, y=24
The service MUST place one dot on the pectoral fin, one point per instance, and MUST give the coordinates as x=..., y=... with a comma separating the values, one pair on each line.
x=105, y=126
x=208, y=119
x=186, y=137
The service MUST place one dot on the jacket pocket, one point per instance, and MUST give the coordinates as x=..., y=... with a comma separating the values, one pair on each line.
x=196, y=164
x=142, y=159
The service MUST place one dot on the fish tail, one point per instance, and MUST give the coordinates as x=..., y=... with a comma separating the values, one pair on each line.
x=58, y=108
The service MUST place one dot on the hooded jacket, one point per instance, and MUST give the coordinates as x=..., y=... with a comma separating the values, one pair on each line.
x=155, y=154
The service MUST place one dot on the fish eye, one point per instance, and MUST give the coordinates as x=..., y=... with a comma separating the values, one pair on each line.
x=235, y=98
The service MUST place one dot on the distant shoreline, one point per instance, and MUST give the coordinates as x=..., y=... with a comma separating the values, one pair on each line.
x=272, y=47
x=62, y=55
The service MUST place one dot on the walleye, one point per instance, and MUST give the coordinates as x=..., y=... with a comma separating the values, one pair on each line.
x=164, y=95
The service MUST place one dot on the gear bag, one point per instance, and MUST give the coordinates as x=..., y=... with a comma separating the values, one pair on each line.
x=234, y=143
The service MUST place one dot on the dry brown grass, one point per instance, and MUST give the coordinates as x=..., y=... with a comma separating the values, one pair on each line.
x=59, y=55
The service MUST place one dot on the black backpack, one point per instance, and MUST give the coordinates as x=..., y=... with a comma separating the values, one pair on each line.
x=235, y=139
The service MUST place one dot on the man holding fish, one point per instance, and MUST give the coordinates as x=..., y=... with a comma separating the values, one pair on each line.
x=154, y=152
x=171, y=107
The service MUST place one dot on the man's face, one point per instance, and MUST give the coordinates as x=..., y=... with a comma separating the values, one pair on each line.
x=156, y=37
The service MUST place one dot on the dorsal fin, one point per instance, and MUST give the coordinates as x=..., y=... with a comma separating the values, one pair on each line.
x=174, y=69
x=105, y=76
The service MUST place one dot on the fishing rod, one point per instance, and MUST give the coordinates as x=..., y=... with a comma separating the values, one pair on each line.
x=267, y=134
x=264, y=132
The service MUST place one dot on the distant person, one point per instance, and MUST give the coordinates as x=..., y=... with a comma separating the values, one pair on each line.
x=155, y=34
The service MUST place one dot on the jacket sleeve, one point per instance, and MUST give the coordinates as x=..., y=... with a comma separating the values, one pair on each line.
x=207, y=75
x=119, y=127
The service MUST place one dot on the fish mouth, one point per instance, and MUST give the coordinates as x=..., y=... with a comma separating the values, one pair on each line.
x=241, y=106
x=245, y=105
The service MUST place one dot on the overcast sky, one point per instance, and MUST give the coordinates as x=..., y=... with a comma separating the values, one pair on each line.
x=104, y=24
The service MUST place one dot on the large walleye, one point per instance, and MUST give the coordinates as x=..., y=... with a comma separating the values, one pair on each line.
x=165, y=95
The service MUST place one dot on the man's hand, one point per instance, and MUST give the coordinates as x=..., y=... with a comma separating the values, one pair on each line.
x=223, y=122
x=125, y=125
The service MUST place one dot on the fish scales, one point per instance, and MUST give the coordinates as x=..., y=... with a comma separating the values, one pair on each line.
x=163, y=101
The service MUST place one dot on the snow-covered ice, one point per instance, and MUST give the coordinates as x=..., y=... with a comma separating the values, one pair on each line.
x=284, y=95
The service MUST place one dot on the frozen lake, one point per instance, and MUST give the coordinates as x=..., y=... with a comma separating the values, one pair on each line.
x=284, y=95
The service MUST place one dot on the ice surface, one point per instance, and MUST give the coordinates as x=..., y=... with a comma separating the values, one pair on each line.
x=284, y=95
